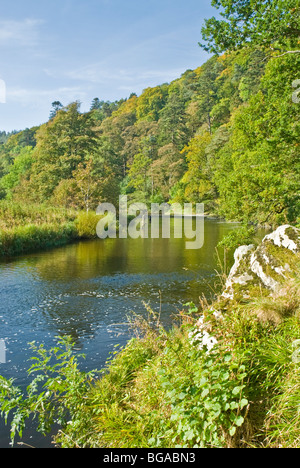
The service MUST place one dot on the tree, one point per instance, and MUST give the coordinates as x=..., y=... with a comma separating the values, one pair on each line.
x=197, y=179
x=257, y=172
x=268, y=23
x=96, y=104
x=21, y=166
x=206, y=95
x=62, y=144
x=139, y=174
x=27, y=137
x=87, y=184
x=56, y=106
x=151, y=102
x=117, y=131
x=167, y=170
x=66, y=194
x=173, y=120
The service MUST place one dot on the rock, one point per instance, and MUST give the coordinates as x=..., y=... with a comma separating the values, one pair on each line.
x=285, y=236
x=266, y=267
x=258, y=268
x=239, y=273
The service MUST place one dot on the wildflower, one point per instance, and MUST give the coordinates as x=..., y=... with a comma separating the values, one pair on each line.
x=203, y=339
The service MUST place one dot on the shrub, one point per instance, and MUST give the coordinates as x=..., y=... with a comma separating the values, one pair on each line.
x=86, y=223
x=64, y=390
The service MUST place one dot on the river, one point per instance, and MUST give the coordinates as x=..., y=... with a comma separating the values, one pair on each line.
x=88, y=289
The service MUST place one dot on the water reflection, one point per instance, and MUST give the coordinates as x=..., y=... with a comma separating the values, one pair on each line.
x=88, y=289
x=86, y=286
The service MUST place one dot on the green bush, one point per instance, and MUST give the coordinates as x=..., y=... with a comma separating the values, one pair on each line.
x=64, y=390
x=86, y=223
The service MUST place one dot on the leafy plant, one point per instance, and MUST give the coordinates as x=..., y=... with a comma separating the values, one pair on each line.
x=242, y=236
x=55, y=395
x=206, y=395
x=86, y=224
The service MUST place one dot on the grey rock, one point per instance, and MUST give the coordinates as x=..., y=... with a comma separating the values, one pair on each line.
x=265, y=267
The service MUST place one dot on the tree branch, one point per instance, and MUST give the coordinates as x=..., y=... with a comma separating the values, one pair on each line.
x=285, y=53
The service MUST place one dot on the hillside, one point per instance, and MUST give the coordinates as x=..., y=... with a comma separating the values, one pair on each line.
x=225, y=134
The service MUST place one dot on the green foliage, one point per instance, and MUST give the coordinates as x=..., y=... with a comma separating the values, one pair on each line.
x=14, y=214
x=197, y=179
x=25, y=228
x=257, y=171
x=150, y=103
x=223, y=378
x=138, y=172
x=62, y=144
x=206, y=394
x=30, y=238
x=259, y=22
x=86, y=223
x=225, y=134
x=173, y=118
x=21, y=165
x=242, y=236
x=54, y=396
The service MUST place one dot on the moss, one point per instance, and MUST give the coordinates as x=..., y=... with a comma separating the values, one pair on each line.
x=279, y=256
x=246, y=293
x=275, y=262
x=293, y=234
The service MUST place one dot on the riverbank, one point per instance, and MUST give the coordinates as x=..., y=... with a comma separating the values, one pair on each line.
x=28, y=228
x=226, y=374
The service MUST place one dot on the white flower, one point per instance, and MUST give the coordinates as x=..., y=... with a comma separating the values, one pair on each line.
x=203, y=339
x=218, y=315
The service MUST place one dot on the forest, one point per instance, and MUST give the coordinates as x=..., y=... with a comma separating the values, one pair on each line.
x=225, y=134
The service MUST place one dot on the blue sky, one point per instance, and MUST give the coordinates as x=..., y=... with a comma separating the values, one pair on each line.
x=70, y=50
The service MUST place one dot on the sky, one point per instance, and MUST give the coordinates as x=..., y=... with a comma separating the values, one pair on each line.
x=67, y=50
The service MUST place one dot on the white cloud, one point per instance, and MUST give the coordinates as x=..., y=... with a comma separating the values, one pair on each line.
x=20, y=33
x=39, y=97
x=104, y=74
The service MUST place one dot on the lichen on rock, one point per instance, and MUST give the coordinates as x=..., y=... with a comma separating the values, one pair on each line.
x=265, y=267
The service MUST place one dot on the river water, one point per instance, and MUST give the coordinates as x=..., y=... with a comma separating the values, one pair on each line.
x=88, y=289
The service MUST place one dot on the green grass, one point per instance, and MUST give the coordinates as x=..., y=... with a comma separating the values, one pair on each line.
x=31, y=237
x=14, y=214
x=27, y=228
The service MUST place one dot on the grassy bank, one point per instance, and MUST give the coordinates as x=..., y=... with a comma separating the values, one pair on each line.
x=27, y=228
x=233, y=384
x=226, y=375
